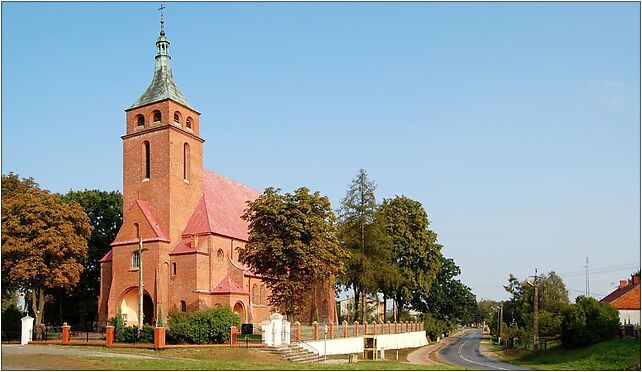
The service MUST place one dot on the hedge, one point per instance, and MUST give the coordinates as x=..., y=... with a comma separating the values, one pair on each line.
x=210, y=326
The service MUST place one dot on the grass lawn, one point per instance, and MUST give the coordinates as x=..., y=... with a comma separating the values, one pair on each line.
x=190, y=359
x=617, y=354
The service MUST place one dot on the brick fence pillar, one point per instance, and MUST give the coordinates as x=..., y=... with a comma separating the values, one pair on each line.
x=389, y=327
x=365, y=327
x=159, y=337
x=315, y=330
x=374, y=327
x=331, y=330
x=234, y=331
x=396, y=327
x=356, y=328
x=66, y=333
x=345, y=328
x=109, y=336
x=297, y=330
x=381, y=330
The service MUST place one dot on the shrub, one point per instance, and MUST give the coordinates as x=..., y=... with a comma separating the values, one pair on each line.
x=588, y=322
x=435, y=327
x=211, y=326
x=550, y=324
x=11, y=319
x=130, y=334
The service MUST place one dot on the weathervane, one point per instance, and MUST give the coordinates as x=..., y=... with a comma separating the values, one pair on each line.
x=162, y=20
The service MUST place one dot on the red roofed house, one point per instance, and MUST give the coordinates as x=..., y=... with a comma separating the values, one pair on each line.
x=189, y=219
x=626, y=299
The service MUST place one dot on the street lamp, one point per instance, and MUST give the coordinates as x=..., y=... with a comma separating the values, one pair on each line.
x=500, y=310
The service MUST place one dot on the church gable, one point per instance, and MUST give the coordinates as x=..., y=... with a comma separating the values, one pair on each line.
x=140, y=214
x=199, y=222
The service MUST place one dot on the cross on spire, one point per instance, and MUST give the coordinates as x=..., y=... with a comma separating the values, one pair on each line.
x=162, y=21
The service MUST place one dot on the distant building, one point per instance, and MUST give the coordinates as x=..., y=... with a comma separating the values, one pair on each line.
x=375, y=309
x=626, y=299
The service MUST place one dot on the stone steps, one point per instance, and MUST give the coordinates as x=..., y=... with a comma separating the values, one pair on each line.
x=293, y=353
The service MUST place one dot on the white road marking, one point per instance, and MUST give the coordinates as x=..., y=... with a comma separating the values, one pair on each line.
x=470, y=361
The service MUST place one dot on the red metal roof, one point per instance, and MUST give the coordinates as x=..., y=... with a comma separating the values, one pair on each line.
x=151, y=218
x=185, y=246
x=106, y=257
x=228, y=285
x=220, y=209
x=146, y=210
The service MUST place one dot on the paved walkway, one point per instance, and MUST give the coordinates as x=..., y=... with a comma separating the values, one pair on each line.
x=63, y=350
x=422, y=355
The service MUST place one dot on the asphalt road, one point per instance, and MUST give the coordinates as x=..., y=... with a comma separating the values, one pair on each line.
x=465, y=352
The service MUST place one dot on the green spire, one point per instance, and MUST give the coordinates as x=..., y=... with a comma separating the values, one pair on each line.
x=163, y=85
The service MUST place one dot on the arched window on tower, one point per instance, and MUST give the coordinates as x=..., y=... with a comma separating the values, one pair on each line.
x=135, y=260
x=140, y=120
x=262, y=295
x=173, y=268
x=188, y=123
x=157, y=116
x=146, y=160
x=177, y=118
x=183, y=306
x=186, y=162
x=255, y=294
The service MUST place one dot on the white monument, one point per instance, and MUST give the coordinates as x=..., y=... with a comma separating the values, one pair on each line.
x=27, y=330
x=277, y=328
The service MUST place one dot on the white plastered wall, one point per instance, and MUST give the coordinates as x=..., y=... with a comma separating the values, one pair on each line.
x=629, y=317
x=129, y=306
x=352, y=345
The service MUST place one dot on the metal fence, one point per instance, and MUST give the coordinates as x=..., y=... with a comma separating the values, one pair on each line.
x=47, y=333
x=307, y=332
x=88, y=331
x=10, y=337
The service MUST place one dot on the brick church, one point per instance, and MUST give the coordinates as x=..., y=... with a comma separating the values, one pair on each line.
x=189, y=220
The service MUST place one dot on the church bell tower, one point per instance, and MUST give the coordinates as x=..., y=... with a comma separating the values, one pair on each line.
x=162, y=149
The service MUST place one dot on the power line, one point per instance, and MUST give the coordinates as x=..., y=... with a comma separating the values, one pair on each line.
x=599, y=271
x=591, y=293
x=624, y=266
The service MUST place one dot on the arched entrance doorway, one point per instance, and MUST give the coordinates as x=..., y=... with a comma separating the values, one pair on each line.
x=129, y=307
x=239, y=309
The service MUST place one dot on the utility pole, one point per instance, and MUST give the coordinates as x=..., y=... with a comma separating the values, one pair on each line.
x=501, y=319
x=535, y=312
x=140, y=284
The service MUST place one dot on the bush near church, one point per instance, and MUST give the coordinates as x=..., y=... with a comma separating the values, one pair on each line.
x=588, y=322
x=210, y=326
x=130, y=334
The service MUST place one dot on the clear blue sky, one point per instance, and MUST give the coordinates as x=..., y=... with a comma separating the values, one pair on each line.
x=516, y=125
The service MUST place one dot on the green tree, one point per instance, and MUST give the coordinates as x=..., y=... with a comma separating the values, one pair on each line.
x=293, y=243
x=485, y=311
x=44, y=242
x=588, y=322
x=105, y=212
x=449, y=298
x=553, y=299
x=415, y=250
x=362, y=233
